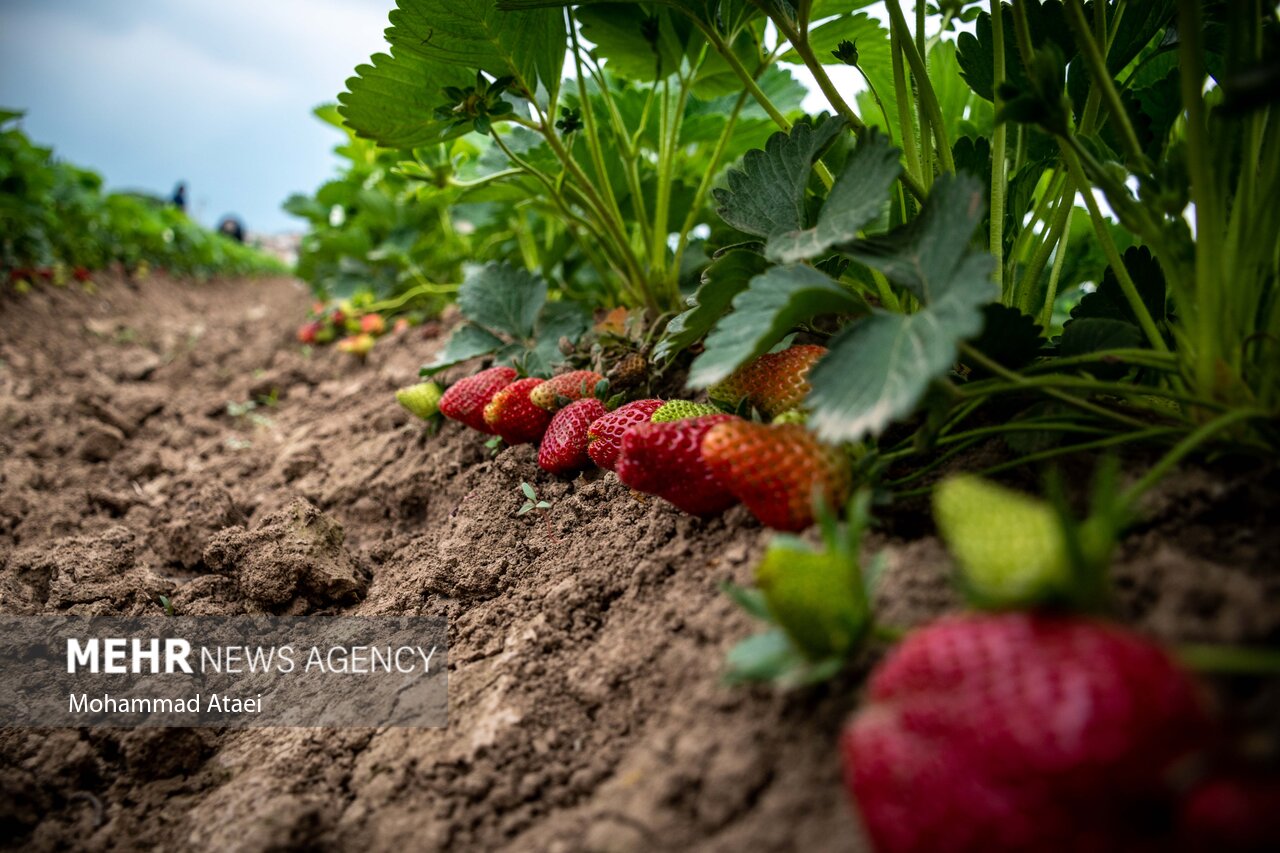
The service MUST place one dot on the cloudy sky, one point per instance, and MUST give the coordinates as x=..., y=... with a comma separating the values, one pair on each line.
x=214, y=92
x=217, y=93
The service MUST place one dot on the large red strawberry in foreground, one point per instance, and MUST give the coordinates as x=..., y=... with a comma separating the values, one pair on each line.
x=564, y=446
x=1021, y=732
x=465, y=400
x=665, y=459
x=605, y=435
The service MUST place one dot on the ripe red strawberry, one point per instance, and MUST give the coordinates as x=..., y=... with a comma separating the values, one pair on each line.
x=773, y=383
x=775, y=470
x=307, y=332
x=1231, y=814
x=665, y=459
x=604, y=437
x=373, y=324
x=465, y=400
x=573, y=385
x=564, y=447
x=512, y=416
x=1020, y=732
x=81, y=274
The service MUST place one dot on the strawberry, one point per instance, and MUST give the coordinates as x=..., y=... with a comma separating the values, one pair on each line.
x=512, y=416
x=1019, y=732
x=630, y=371
x=666, y=460
x=1010, y=548
x=1231, y=814
x=775, y=469
x=421, y=400
x=373, y=324
x=773, y=383
x=308, y=332
x=573, y=385
x=81, y=274
x=357, y=345
x=564, y=447
x=465, y=400
x=401, y=325
x=678, y=410
x=604, y=437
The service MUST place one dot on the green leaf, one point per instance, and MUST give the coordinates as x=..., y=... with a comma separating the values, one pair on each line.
x=722, y=280
x=879, y=367
x=772, y=304
x=923, y=254
x=766, y=194
x=856, y=198
x=1094, y=334
x=528, y=491
x=440, y=43
x=620, y=33
x=557, y=320
x=762, y=657
x=975, y=55
x=1009, y=338
x=750, y=599
x=1109, y=300
x=467, y=342
x=502, y=298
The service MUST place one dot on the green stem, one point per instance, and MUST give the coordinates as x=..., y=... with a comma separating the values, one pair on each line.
x=1109, y=249
x=906, y=124
x=1030, y=277
x=1096, y=62
x=1203, y=192
x=1059, y=257
x=1016, y=379
x=1230, y=660
x=926, y=142
x=995, y=239
x=1182, y=448
x=412, y=293
x=589, y=124
x=925, y=88
x=1167, y=362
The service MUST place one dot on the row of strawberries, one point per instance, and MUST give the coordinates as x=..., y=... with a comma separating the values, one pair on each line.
x=690, y=454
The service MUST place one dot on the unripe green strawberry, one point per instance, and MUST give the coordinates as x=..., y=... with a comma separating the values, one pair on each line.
x=512, y=416
x=773, y=383
x=678, y=410
x=815, y=595
x=574, y=385
x=422, y=400
x=1008, y=547
x=791, y=416
x=358, y=345
x=776, y=469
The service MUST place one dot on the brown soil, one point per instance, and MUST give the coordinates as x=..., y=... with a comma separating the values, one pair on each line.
x=587, y=710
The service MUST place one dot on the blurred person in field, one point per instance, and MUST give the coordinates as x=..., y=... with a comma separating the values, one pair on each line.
x=232, y=228
x=179, y=199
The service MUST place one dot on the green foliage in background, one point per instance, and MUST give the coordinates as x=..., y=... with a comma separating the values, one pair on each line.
x=55, y=217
